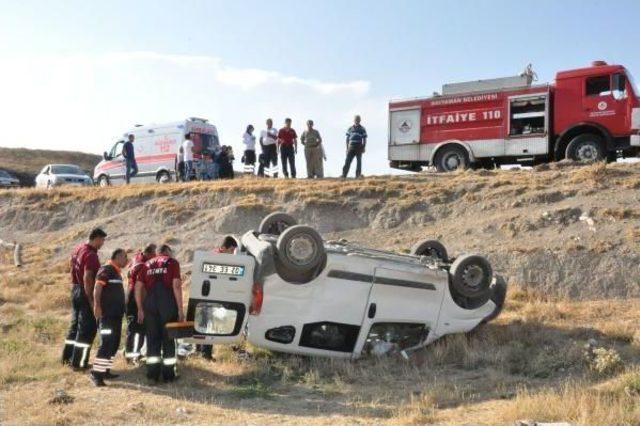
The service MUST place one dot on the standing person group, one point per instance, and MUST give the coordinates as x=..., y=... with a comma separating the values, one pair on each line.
x=99, y=302
x=285, y=143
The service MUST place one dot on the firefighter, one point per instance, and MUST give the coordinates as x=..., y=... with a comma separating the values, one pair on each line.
x=159, y=300
x=84, y=265
x=108, y=308
x=135, y=331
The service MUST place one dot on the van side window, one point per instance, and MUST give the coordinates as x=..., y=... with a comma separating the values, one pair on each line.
x=116, y=151
x=598, y=86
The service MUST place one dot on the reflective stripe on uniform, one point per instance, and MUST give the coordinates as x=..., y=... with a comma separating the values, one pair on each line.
x=132, y=355
x=69, y=342
x=83, y=360
x=81, y=345
x=153, y=360
x=105, y=331
x=169, y=361
x=115, y=281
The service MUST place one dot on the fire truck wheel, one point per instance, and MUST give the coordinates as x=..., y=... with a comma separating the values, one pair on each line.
x=300, y=249
x=586, y=148
x=103, y=181
x=431, y=248
x=276, y=223
x=471, y=276
x=450, y=158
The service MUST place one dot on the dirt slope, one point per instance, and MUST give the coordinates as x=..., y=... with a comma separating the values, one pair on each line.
x=566, y=348
x=25, y=164
x=568, y=230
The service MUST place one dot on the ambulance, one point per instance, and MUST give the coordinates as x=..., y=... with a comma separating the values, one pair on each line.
x=156, y=150
x=586, y=114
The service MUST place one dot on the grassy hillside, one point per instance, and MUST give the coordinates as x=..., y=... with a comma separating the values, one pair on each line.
x=25, y=164
x=566, y=348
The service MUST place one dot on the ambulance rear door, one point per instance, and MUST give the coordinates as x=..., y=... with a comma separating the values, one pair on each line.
x=220, y=296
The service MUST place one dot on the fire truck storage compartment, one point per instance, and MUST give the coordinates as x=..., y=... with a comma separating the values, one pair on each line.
x=528, y=125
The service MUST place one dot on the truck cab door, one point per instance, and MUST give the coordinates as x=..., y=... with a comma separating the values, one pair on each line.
x=403, y=309
x=220, y=296
x=601, y=106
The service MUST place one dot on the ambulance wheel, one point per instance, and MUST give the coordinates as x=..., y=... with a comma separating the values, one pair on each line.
x=163, y=176
x=276, y=223
x=586, y=148
x=471, y=276
x=300, y=249
x=431, y=248
x=103, y=181
x=451, y=158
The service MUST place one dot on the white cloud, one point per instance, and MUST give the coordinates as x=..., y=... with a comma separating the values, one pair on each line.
x=84, y=102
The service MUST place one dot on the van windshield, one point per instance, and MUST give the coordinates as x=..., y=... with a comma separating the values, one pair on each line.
x=66, y=170
x=204, y=143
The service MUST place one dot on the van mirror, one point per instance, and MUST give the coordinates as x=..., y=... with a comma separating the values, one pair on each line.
x=106, y=156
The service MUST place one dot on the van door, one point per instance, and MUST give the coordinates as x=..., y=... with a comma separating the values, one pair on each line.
x=403, y=309
x=115, y=167
x=220, y=296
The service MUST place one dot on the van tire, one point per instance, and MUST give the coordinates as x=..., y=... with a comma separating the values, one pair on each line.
x=431, y=248
x=471, y=276
x=103, y=181
x=586, y=148
x=163, y=176
x=300, y=250
x=450, y=158
x=276, y=223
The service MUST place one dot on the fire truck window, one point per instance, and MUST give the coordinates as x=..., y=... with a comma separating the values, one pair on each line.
x=598, y=86
x=527, y=116
x=619, y=86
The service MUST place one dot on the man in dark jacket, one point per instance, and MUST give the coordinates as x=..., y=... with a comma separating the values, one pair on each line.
x=131, y=167
x=356, y=144
x=108, y=308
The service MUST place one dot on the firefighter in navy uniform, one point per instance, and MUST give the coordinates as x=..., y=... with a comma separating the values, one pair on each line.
x=159, y=301
x=82, y=330
x=109, y=307
x=135, y=331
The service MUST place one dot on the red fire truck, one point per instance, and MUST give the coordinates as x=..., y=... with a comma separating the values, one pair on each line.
x=586, y=114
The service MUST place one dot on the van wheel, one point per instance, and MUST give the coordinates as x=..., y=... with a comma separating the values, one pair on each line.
x=300, y=250
x=586, y=148
x=451, y=158
x=471, y=276
x=163, y=176
x=103, y=181
x=431, y=248
x=276, y=223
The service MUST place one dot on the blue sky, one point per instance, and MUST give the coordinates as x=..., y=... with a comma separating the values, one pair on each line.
x=80, y=73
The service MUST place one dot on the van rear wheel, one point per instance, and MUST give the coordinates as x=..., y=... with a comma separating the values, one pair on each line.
x=276, y=223
x=471, y=276
x=300, y=249
x=163, y=176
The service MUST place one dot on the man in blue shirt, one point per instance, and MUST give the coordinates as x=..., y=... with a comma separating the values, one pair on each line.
x=356, y=143
x=131, y=167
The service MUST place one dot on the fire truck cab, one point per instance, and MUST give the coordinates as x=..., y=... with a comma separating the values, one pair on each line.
x=586, y=114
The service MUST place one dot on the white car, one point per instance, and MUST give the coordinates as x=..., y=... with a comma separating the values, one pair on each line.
x=7, y=180
x=53, y=175
x=287, y=290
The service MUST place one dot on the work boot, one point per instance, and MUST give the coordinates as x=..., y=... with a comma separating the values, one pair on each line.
x=110, y=375
x=98, y=379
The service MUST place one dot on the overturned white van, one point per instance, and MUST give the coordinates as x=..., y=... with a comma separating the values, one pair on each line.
x=156, y=150
x=287, y=290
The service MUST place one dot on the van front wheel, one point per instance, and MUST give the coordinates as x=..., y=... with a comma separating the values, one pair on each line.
x=103, y=181
x=163, y=176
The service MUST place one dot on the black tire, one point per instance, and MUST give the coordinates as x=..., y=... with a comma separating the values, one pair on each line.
x=586, y=148
x=431, y=248
x=103, y=181
x=471, y=276
x=276, y=223
x=163, y=176
x=451, y=158
x=300, y=250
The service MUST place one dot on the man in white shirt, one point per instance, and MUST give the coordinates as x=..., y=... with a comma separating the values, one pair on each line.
x=268, y=142
x=187, y=148
x=249, y=157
